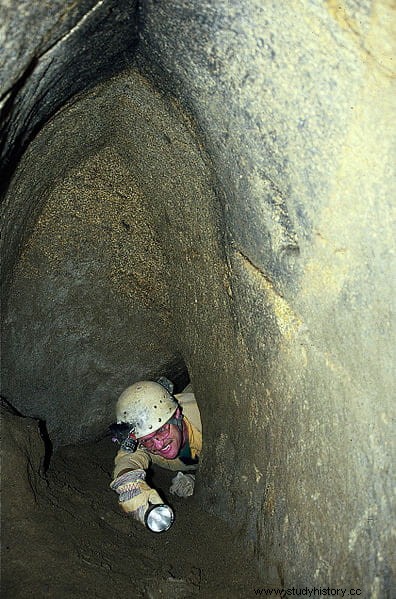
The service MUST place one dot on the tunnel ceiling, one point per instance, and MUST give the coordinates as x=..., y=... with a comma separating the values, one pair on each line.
x=206, y=188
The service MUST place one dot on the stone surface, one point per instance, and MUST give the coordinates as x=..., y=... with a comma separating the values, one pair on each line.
x=253, y=144
x=294, y=106
x=63, y=534
x=23, y=461
x=52, y=51
x=28, y=32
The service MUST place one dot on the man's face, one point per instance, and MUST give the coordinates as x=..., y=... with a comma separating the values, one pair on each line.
x=166, y=441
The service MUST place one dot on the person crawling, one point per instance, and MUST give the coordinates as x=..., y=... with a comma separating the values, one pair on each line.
x=154, y=426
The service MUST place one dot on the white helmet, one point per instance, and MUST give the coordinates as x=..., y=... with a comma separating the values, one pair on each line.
x=146, y=406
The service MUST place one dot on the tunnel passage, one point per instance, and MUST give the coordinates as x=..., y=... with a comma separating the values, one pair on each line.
x=124, y=224
x=113, y=284
x=253, y=144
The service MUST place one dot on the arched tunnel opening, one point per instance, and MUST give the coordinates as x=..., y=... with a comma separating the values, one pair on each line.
x=200, y=192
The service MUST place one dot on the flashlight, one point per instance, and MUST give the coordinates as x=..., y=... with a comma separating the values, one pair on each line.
x=159, y=517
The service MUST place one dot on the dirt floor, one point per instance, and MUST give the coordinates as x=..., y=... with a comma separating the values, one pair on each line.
x=64, y=535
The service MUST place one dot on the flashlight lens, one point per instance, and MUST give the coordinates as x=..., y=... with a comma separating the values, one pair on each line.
x=159, y=518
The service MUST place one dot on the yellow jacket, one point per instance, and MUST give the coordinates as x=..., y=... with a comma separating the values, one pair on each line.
x=142, y=458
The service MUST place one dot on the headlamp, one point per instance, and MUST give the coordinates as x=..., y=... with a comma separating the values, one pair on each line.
x=123, y=435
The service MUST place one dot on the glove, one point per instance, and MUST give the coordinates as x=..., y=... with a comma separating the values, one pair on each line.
x=135, y=496
x=183, y=485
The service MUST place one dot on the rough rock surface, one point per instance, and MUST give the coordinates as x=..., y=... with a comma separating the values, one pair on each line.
x=64, y=536
x=51, y=51
x=255, y=139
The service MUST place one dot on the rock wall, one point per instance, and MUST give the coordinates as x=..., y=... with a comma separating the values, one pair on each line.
x=225, y=207
x=295, y=108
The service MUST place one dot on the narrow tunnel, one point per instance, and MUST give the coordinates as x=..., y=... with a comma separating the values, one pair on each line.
x=202, y=192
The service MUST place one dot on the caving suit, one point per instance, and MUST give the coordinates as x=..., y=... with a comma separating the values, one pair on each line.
x=187, y=458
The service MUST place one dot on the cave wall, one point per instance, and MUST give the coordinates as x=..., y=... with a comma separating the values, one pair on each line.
x=252, y=144
x=294, y=102
x=51, y=53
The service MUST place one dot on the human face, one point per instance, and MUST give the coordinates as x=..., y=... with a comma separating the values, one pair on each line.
x=166, y=441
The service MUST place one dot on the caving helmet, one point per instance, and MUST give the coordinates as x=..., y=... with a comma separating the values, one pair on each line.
x=146, y=406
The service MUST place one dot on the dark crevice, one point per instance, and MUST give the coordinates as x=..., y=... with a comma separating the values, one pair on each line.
x=6, y=116
x=5, y=404
x=48, y=447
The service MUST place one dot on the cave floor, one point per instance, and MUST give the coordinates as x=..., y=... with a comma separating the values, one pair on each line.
x=77, y=543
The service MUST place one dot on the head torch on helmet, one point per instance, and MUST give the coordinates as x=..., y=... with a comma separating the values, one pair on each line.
x=124, y=436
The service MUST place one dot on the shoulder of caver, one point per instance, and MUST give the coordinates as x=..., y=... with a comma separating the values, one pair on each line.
x=190, y=409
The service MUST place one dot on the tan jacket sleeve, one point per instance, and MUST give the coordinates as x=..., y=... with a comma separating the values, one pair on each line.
x=126, y=460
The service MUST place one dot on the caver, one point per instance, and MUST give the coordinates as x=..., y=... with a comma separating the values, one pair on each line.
x=155, y=426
